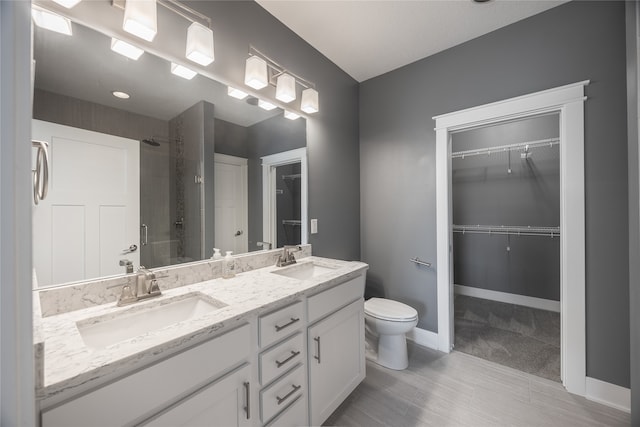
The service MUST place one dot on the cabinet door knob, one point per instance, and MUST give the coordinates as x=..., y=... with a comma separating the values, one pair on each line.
x=247, y=396
x=317, y=339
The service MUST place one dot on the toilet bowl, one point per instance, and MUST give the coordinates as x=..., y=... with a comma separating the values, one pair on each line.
x=389, y=321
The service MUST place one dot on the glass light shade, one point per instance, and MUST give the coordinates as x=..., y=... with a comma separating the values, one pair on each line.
x=286, y=88
x=67, y=3
x=126, y=49
x=255, y=73
x=291, y=115
x=200, y=44
x=236, y=93
x=182, y=71
x=120, y=94
x=140, y=18
x=309, y=102
x=266, y=105
x=51, y=21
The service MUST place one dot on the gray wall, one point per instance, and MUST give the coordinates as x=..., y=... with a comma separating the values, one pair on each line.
x=332, y=133
x=503, y=189
x=572, y=42
x=634, y=204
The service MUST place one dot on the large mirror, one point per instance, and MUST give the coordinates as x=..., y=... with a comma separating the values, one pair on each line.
x=157, y=179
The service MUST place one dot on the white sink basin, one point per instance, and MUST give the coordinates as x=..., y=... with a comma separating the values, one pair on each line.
x=103, y=331
x=304, y=271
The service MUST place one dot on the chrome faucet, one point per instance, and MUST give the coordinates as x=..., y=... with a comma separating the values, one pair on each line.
x=127, y=264
x=146, y=287
x=287, y=258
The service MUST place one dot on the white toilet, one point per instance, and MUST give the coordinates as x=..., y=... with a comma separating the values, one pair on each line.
x=389, y=321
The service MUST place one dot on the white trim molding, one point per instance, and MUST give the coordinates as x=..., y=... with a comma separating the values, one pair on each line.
x=609, y=394
x=568, y=102
x=533, y=302
x=424, y=338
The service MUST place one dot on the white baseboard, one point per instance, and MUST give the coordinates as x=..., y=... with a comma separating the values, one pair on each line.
x=424, y=338
x=609, y=394
x=533, y=302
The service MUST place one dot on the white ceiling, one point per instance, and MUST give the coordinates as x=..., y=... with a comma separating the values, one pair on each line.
x=368, y=38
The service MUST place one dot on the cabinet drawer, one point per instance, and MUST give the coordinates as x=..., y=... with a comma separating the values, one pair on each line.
x=281, y=323
x=149, y=390
x=276, y=397
x=281, y=358
x=334, y=298
x=295, y=415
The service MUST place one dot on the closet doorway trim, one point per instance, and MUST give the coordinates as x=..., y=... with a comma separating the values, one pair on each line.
x=568, y=102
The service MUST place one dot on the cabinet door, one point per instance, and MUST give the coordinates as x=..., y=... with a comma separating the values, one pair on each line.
x=225, y=402
x=336, y=360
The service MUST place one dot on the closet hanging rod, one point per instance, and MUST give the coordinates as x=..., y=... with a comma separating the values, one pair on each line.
x=520, y=146
x=508, y=230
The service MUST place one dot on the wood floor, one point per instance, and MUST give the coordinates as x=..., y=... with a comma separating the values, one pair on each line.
x=458, y=389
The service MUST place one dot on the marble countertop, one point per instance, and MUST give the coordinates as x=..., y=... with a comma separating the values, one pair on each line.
x=70, y=364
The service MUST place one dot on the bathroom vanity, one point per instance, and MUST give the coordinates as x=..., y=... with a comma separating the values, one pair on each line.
x=271, y=346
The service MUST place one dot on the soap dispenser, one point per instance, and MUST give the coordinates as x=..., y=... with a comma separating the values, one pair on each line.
x=216, y=254
x=228, y=266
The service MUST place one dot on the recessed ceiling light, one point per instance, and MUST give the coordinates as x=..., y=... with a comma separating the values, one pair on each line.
x=67, y=3
x=236, y=93
x=266, y=105
x=126, y=49
x=51, y=21
x=182, y=71
x=120, y=94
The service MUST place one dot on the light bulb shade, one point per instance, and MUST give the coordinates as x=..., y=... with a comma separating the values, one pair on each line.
x=140, y=18
x=67, y=3
x=291, y=115
x=255, y=73
x=286, y=88
x=51, y=21
x=265, y=105
x=200, y=44
x=182, y=71
x=236, y=93
x=309, y=102
x=126, y=49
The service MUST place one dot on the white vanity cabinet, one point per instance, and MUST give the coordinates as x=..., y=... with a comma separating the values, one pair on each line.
x=188, y=378
x=335, y=348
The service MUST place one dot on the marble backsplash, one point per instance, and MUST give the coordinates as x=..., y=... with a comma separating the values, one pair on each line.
x=77, y=296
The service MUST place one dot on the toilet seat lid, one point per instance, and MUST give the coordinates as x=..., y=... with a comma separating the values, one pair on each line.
x=387, y=309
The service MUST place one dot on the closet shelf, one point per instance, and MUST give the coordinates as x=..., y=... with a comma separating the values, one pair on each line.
x=511, y=230
x=521, y=146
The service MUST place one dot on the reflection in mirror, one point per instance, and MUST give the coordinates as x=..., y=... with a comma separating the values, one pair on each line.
x=195, y=153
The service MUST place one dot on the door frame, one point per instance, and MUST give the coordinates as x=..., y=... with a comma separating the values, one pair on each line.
x=568, y=102
x=269, y=217
x=244, y=184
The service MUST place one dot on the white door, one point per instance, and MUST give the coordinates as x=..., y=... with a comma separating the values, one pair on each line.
x=231, y=212
x=90, y=217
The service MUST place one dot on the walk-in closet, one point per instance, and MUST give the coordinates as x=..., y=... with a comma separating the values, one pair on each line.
x=505, y=187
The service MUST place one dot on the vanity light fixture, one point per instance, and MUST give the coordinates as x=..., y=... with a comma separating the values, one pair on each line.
x=120, y=94
x=291, y=115
x=200, y=44
x=126, y=49
x=182, y=71
x=255, y=73
x=141, y=18
x=286, y=88
x=51, y=21
x=67, y=3
x=261, y=71
x=236, y=93
x=309, y=102
x=266, y=105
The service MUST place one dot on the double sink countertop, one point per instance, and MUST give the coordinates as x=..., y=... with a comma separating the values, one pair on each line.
x=70, y=363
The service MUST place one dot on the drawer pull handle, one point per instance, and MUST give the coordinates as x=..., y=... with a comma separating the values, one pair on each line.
x=317, y=339
x=288, y=395
x=247, y=395
x=293, y=320
x=293, y=354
